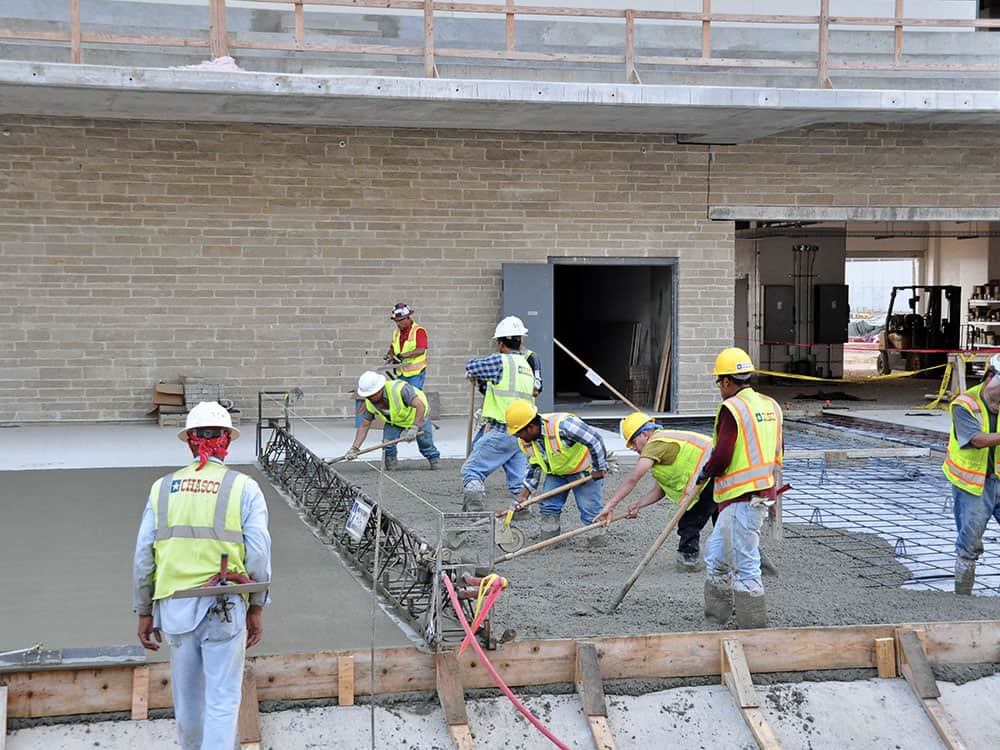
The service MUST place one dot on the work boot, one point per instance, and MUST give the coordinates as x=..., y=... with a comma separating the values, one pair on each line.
x=390, y=463
x=965, y=576
x=434, y=462
x=549, y=524
x=598, y=539
x=473, y=501
x=718, y=603
x=688, y=562
x=751, y=610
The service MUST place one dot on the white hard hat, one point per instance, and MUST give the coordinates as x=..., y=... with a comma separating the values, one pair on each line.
x=509, y=326
x=370, y=383
x=208, y=414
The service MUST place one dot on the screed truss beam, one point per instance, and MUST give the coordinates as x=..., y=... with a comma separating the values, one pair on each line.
x=307, y=676
x=408, y=567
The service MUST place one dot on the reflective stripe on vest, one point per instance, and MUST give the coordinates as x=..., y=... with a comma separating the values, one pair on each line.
x=400, y=414
x=966, y=467
x=758, y=446
x=681, y=476
x=413, y=366
x=186, y=549
x=556, y=458
x=517, y=382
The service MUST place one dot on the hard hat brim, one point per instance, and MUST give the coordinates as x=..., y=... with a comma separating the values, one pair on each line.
x=234, y=433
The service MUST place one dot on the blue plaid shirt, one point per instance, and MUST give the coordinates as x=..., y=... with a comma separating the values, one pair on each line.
x=572, y=430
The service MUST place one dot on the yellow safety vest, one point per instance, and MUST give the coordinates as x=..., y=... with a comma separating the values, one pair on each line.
x=966, y=467
x=413, y=366
x=198, y=520
x=517, y=382
x=681, y=476
x=556, y=458
x=400, y=414
x=758, y=444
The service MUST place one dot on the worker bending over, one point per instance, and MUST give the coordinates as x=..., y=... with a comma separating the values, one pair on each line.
x=674, y=458
x=565, y=448
x=406, y=413
x=508, y=377
x=972, y=468
x=747, y=450
x=193, y=517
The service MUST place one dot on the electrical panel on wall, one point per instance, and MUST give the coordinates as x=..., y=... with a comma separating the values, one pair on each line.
x=779, y=314
x=833, y=314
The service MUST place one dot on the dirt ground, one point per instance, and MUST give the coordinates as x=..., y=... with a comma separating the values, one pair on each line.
x=564, y=591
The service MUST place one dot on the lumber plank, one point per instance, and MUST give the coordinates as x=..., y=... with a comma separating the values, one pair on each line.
x=915, y=666
x=345, y=680
x=449, y=689
x=601, y=732
x=248, y=723
x=885, y=657
x=944, y=724
x=140, y=693
x=461, y=735
x=760, y=729
x=736, y=674
x=589, y=685
x=3, y=717
x=62, y=692
x=856, y=453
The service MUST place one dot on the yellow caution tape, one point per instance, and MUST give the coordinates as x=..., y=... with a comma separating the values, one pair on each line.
x=874, y=378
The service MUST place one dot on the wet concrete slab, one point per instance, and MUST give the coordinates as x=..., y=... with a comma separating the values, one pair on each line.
x=66, y=545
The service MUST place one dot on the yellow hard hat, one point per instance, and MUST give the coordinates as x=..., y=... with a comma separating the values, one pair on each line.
x=518, y=415
x=632, y=423
x=732, y=361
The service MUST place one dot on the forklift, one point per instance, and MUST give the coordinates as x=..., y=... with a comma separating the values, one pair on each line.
x=931, y=323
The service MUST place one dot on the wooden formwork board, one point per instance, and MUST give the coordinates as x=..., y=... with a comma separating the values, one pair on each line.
x=62, y=692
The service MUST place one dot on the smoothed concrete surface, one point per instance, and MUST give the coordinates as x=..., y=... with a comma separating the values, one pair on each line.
x=66, y=545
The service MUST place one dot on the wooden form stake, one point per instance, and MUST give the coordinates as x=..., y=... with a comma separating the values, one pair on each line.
x=74, y=30
x=916, y=668
x=736, y=677
x=823, y=62
x=510, y=25
x=706, y=29
x=452, y=696
x=345, y=680
x=217, y=37
x=140, y=693
x=300, y=24
x=897, y=44
x=630, y=75
x=590, y=688
x=430, y=69
x=248, y=723
x=885, y=657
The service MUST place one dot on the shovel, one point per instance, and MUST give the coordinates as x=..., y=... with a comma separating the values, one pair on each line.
x=366, y=450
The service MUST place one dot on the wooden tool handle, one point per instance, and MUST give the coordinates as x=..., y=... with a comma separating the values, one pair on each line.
x=561, y=538
x=551, y=493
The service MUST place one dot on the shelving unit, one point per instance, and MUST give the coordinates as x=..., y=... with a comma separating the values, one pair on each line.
x=983, y=334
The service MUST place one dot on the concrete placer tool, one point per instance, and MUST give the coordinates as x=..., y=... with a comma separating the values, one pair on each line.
x=561, y=538
x=510, y=538
x=367, y=450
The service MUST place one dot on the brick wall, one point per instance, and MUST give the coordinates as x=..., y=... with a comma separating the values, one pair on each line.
x=268, y=256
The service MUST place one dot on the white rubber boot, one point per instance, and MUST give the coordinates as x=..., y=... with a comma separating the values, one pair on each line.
x=718, y=603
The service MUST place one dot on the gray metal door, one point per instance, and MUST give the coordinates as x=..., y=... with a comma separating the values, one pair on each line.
x=527, y=293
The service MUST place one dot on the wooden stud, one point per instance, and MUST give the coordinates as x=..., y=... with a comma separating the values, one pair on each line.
x=916, y=668
x=822, y=62
x=897, y=43
x=345, y=680
x=629, y=45
x=74, y=30
x=140, y=693
x=590, y=688
x=885, y=657
x=452, y=696
x=706, y=29
x=429, y=68
x=248, y=724
x=510, y=25
x=736, y=676
x=217, y=37
x=300, y=24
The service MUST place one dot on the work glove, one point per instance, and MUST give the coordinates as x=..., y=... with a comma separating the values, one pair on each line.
x=352, y=453
x=409, y=434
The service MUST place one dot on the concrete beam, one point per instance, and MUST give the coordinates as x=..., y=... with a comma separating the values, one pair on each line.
x=708, y=114
x=852, y=213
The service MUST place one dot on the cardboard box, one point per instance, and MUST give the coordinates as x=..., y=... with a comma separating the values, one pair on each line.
x=168, y=394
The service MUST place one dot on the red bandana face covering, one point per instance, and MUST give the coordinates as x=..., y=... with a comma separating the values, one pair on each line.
x=208, y=447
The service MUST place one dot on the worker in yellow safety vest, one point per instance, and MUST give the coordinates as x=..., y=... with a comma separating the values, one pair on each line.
x=564, y=448
x=747, y=450
x=674, y=458
x=408, y=347
x=508, y=377
x=194, y=516
x=972, y=466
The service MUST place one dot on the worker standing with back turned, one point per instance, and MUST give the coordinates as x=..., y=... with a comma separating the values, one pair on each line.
x=508, y=377
x=747, y=449
x=193, y=517
x=564, y=448
x=674, y=458
x=972, y=468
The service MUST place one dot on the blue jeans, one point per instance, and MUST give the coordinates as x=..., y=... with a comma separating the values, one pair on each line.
x=425, y=439
x=587, y=495
x=206, y=675
x=417, y=381
x=971, y=516
x=733, y=550
x=491, y=449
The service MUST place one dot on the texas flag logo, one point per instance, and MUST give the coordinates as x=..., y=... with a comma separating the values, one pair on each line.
x=175, y=485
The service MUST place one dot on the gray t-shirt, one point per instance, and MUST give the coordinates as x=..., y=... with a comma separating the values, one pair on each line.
x=408, y=394
x=967, y=427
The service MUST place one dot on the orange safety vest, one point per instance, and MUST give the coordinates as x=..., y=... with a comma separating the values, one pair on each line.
x=966, y=467
x=758, y=446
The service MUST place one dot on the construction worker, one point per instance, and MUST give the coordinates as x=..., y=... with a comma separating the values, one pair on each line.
x=674, y=458
x=508, y=377
x=972, y=467
x=564, y=448
x=408, y=347
x=406, y=413
x=513, y=326
x=193, y=517
x=746, y=452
